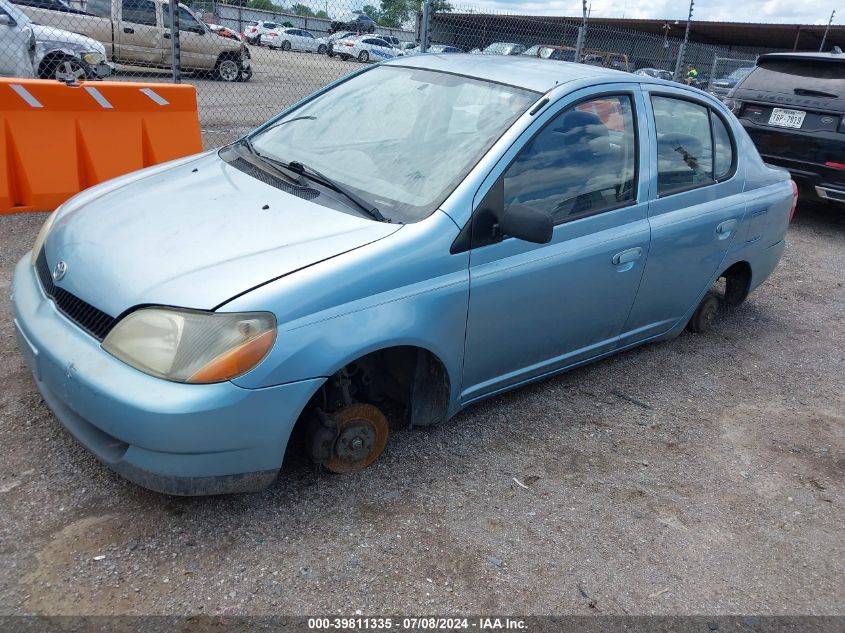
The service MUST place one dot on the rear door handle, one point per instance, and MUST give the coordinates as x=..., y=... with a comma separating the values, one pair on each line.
x=127, y=29
x=628, y=256
x=724, y=229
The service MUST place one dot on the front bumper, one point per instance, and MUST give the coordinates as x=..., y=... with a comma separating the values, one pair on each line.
x=166, y=436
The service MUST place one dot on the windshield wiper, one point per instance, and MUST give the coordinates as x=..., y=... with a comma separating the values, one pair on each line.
x=277, y=165
x=317, y=176
x=312, y=174
x=804, y=92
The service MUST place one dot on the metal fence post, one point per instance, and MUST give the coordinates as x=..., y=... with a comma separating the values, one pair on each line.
x=426, y=26
x=683, y=50
x=175, y=49
x=582, y=33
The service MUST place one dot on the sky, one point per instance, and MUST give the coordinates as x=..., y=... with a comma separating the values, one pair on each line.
x=784, y=11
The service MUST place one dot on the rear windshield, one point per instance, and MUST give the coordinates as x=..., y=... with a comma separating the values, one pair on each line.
x=784, y=75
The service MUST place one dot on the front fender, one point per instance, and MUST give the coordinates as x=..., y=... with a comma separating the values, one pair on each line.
x=406, y=289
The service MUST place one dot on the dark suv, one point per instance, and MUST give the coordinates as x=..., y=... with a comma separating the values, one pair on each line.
x=793, y=107
x=358, y=22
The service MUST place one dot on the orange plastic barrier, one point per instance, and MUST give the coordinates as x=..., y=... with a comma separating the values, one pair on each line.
x=56, y=140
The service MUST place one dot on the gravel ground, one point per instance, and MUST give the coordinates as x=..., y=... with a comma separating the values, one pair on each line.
x=701, y=475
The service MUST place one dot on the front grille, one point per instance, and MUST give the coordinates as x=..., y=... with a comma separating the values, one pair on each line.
x=86, y=316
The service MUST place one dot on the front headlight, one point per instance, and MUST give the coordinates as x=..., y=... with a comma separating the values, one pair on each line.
x=191, y=345
x=42, y=235
x=94, y=58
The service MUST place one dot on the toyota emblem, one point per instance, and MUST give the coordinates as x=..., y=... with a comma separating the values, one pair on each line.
x=59, y=271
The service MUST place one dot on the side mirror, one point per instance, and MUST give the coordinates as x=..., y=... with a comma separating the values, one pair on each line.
x=6, y=20
x=527, y=223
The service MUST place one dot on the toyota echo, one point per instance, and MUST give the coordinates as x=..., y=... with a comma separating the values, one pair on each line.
x=413, y=238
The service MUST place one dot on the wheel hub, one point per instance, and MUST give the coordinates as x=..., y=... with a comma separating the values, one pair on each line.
x=362, y=431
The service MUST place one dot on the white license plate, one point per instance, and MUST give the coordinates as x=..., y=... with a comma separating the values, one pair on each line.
x=787, y=118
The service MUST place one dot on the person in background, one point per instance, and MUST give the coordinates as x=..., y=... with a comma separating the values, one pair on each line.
x=692, y=74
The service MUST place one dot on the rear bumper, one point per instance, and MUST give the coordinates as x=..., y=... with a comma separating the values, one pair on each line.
x=824, y=181
x=169, y=437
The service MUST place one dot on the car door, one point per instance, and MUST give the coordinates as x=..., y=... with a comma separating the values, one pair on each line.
x=139, y=33
x=697, y=206
x=308, y=41
x=196, y=42
x=16, y=49
x=537, y=308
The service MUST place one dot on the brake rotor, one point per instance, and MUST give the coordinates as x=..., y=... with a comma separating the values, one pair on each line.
x=361, y=438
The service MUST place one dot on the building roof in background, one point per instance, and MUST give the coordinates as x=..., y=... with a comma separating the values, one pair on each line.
x=745, y=34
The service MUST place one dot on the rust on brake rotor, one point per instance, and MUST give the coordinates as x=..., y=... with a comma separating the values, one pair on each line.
x=361, y=438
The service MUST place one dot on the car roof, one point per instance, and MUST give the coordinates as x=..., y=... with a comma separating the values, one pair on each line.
x=808, y=56
x=533, y=73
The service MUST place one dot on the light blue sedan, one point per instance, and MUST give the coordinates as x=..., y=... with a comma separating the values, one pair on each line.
x=418, y=236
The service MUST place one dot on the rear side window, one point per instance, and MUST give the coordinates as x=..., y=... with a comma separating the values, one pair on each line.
x=723, y=151
x=694, y=145
x=785, y=75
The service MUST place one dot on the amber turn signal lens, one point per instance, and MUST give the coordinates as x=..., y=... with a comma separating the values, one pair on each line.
x=236, y=361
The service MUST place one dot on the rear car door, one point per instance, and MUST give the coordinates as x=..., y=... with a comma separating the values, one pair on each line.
x=536, y=308
x=139, y=33
x=793, y=108
x=697, y=206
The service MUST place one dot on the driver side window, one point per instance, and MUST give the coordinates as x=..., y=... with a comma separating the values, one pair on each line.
x=581, y=163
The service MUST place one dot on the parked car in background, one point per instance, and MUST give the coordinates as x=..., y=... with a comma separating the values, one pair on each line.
x=503, y=48
x=436, y=49
x=793, y=107
x=325, y=44
x=422, y=235
x=357, y=22
x=721, y=87
x=291, y=40
x=551, y=51
x=657, y=73
x=395, y=42
x=254, y=30
x=136, y=33
x=365, y=48
x=33, y=50
x=617, y=61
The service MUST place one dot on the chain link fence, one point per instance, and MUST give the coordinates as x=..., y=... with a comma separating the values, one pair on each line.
x=249, y=59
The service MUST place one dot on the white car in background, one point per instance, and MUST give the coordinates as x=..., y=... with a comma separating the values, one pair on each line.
x=291, y=40
x=33, y=50
x=254, y=30
x=325, y=44
x=366, y=48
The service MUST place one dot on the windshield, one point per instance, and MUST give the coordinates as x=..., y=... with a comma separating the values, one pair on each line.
x=401, y=138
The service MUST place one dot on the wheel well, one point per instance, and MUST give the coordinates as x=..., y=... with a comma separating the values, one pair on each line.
x=227, y=55
x=409, y=383
x=737, y=282
x=50, y=58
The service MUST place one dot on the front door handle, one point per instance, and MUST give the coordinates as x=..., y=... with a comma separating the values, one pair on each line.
x=127, y=29
x=628, y=256
x=724, y=229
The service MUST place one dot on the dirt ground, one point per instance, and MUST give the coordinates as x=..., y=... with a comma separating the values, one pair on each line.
x=701, y=475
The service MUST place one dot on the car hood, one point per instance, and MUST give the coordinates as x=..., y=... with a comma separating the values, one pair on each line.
x=193, y=234
x=51, y=35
